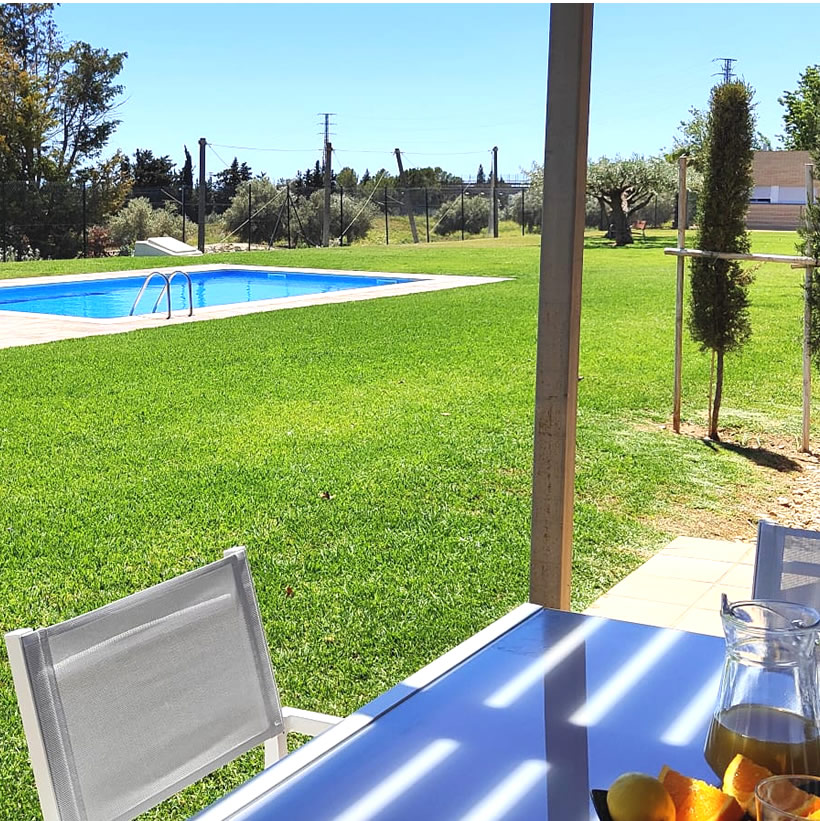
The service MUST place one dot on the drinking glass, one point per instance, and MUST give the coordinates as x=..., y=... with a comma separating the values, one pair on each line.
x=779, y=797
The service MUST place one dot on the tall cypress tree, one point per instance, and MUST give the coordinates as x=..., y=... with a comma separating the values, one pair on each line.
x=719, y=310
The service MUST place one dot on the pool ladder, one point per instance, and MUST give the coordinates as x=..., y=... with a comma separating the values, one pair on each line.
x=166, y=290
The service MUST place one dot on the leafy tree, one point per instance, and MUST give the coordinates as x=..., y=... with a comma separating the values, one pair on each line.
x=140, y=220
x=152, y=172
x=56, y=105
x=692, y=138
x=719, y=310
x=85, y=101
x=267, y=200
x=480, y=177
x=801, y=118
x=187, y=175
x=429, y=177
x=307, y=227
x=347, y=179
x=476, y=215
x=228, y=180
x=365, y=177
x=626, y=186
x=533, y=200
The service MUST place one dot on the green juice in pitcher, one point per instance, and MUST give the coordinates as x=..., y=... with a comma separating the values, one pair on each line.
x=782, y=741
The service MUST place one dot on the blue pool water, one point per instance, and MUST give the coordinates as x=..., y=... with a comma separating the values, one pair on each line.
x=110, y=298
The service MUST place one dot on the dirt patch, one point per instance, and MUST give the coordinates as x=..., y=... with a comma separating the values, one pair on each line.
x=789, y=495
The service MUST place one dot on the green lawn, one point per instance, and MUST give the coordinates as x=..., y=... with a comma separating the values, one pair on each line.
x=127, y=459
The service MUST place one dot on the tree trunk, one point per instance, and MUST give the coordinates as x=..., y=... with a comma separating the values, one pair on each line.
x=621, y=232
x=713, y=427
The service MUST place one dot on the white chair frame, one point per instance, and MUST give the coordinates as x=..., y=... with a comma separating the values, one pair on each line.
x=306, y=722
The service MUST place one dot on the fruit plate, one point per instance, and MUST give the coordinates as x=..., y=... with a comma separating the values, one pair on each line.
x=599, y=802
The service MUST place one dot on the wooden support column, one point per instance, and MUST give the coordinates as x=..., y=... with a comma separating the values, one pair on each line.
x=559, y=303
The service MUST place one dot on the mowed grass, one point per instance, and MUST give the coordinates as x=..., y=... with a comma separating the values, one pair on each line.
x=374, y=457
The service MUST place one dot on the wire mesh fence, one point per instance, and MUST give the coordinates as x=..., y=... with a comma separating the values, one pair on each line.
x=74, y=220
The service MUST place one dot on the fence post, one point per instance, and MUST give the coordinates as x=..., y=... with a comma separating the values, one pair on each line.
x=386, y=228
x=462, y=212
x=249, y=215
x=494, y=193
x=427, y=213
x=288, y=200
x=85, y=224
x=3, y=208
x=805, y=446
x=341, y=216
x=681, y=206
x=201, y=233
x=522, y=212
x=183, y=212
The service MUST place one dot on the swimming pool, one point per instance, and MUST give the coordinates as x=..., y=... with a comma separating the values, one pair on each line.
x=113, y=297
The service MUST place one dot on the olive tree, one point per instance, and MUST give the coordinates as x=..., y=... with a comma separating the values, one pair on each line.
x=624, y=186
x=719, y=308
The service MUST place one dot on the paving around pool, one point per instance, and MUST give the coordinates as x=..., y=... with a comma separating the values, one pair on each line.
x=45, y=309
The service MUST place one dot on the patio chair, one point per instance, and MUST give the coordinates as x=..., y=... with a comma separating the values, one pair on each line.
x=124, y=706
x=787, y=564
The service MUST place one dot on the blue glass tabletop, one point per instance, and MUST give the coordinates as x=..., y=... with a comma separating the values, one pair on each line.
x=523, y=729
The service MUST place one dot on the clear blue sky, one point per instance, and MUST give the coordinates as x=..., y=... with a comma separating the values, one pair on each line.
x=432, y=79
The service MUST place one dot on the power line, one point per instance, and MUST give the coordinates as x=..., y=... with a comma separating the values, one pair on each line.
x=257, y=148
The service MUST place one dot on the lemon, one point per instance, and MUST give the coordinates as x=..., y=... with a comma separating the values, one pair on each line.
x=639, y=797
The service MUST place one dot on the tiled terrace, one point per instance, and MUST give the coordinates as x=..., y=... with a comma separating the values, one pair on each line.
x=681, y=586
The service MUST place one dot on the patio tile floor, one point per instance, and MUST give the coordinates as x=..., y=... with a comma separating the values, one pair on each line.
x=681, y=586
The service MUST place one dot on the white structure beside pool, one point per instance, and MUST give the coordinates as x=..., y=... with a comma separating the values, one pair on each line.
x=23, y=328
x=164, y=247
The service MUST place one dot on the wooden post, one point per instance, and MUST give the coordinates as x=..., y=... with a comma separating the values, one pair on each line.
x=200, y=243
x=559, y=303
x=326, y=211
x=408, y=205
x=681, y=262
x=805, y=445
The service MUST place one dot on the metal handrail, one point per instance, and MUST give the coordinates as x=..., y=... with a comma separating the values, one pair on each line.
x=166, y=289
x=144, y=286
x=190, y=292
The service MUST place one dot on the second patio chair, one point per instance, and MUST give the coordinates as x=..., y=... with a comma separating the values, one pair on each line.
x=787, y=564
x=124, y=706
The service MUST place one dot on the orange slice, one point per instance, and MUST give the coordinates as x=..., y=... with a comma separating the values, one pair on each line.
x=815, y=816
x=698, y=801
x=741, y=778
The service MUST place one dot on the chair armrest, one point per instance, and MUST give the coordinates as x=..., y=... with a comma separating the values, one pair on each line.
x=306, y=722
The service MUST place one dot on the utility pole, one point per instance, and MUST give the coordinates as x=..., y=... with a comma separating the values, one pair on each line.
x=328, y=177
x=201, y=234
x=408, y=205
x=726, y=72
x=326, y=219
x=494, y=195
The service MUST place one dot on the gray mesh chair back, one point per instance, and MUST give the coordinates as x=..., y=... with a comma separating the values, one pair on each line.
x=128, y=704
x=787, y=564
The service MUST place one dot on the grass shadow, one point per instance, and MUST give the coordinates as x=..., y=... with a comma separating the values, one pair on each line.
x=760, y=456
x=650, y=243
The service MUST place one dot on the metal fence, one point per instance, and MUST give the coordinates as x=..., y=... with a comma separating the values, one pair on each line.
x=75, y=220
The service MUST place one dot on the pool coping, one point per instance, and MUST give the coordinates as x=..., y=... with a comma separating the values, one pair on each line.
x=18, y=328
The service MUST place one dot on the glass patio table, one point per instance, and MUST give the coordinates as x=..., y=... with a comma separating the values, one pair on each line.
x=519, y=722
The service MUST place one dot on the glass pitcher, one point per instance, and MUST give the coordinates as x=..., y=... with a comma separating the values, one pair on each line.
x=767, y=706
